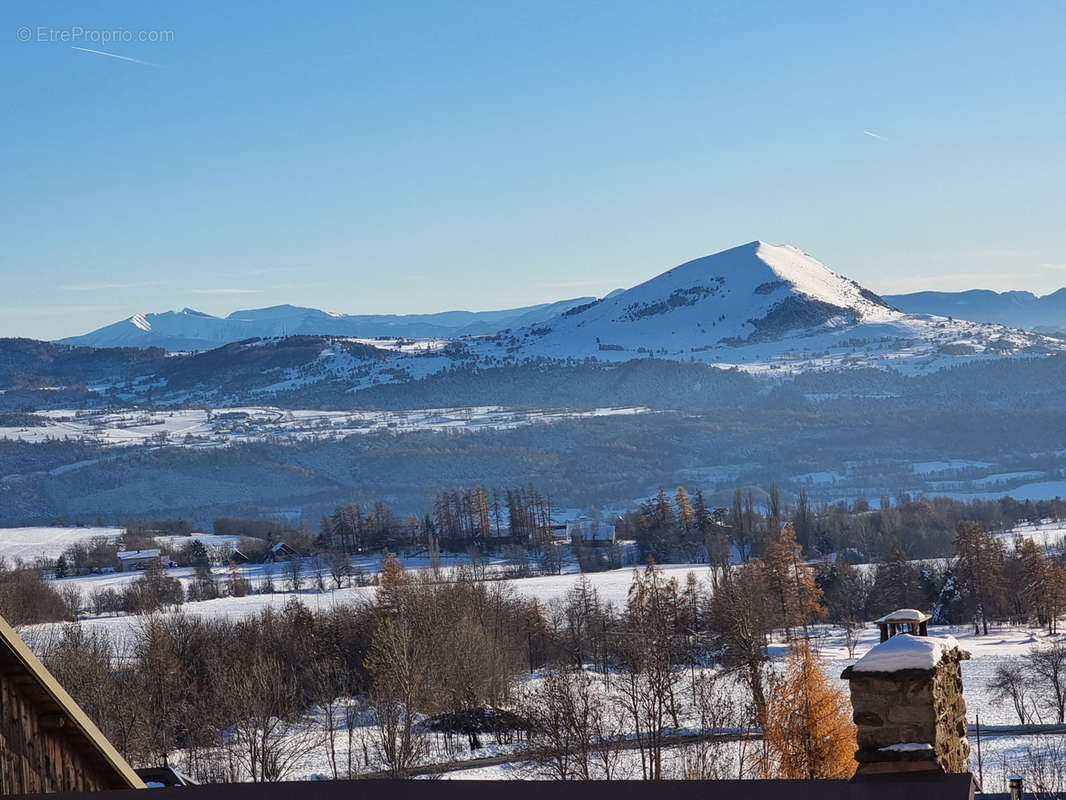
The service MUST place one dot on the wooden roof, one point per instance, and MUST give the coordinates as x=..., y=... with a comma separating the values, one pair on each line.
x=17, y=660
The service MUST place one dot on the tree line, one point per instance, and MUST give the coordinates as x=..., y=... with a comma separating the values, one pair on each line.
x=370, y=680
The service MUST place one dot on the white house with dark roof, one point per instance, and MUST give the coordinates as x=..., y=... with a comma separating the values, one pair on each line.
x=130, y=560
x=590, y=532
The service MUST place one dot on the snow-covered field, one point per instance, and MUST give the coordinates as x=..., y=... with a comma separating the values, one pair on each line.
x=612, y=586
x=30, y=544
x=1048, y=534
x=202, y=428
x=1004, y=643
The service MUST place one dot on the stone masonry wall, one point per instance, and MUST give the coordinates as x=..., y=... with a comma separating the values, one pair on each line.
x=911, y=706
x=952, y=747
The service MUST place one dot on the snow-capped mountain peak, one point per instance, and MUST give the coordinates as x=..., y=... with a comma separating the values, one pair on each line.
x=758, y=307
x=772, y=272
x=748, y=294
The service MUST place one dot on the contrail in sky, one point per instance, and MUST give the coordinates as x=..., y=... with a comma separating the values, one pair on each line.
x=875, y=135
x=114, y=55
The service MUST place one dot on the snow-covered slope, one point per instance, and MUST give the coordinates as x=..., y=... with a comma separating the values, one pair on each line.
x=750, y=294
x=762, y=306
x=189, y=329
x=758, y=307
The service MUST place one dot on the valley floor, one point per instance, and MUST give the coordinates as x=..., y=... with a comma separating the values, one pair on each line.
x=1000, y=752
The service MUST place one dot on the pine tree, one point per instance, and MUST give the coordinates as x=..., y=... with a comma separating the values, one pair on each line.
x=897, y=583
x=325, y=531
x=664, y=513
x=704, y=520
x=198, y=555
x=808, y=730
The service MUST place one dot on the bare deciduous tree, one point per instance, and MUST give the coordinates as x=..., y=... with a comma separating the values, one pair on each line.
x=1048, y=666
x=398, y=673
x=340, y=568
x=649, y=645
x=270, y=734
x=718, y=709
x=294, y=568
x=1009, y=682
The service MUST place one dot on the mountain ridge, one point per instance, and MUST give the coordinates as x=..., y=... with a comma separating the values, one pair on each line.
x=760, y=308
x=193, y=330
x=1020, y=309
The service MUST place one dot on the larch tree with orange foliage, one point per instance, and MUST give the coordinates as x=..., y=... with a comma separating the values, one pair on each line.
x=796, y=597
x=808, y=730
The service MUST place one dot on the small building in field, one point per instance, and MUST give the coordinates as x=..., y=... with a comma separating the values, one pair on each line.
x=130, y=560
x=281, y=552
x=237, y=557
x=558, y=531
x=590, y=533
x=47, y=743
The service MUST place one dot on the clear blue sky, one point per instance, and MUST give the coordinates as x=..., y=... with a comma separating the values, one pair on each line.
x=409, y=157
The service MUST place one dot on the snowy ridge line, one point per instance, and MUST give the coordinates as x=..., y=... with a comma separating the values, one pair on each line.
x=769, y=310
x=190, y=330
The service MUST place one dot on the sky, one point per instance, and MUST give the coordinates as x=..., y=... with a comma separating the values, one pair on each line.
x=403, y=157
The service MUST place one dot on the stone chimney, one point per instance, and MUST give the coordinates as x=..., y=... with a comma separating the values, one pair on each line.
x=906, y=694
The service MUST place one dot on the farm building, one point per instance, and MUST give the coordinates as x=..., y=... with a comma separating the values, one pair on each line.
x=558, y=531
x=589, y=532
x=47, y=743
x=130, y=560
x=281, y=552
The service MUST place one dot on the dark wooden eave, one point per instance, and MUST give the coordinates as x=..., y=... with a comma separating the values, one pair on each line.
x=58, y=711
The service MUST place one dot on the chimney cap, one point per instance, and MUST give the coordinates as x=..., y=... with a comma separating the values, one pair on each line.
x=905, y=615
x=907, y=653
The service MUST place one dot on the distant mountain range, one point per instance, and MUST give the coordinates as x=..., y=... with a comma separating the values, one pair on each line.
x=760, y=365
x=189, y=329
x=764, y=309
x=1016, y=309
